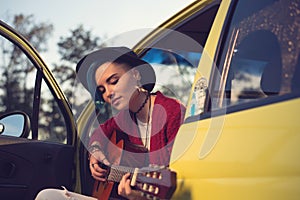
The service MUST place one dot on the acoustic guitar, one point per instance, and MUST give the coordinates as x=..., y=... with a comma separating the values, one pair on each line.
x=154, y=182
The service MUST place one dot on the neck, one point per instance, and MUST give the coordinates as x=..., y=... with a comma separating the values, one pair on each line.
x=141, y=112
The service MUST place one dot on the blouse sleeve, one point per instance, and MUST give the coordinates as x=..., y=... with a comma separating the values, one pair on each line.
x=175, y=119
x=102, y=134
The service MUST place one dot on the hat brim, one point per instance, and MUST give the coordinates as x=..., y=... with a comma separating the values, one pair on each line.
x=88, y=65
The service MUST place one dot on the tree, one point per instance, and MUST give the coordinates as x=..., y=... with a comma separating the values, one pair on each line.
x=16, y=95
x=71, y=49
x=36, y=33
x=17, y=73
x=80, y=42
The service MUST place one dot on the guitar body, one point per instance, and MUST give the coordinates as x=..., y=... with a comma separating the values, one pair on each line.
x=102, y=190
x=119, y=152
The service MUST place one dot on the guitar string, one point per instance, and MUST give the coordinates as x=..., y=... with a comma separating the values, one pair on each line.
x=117, y=172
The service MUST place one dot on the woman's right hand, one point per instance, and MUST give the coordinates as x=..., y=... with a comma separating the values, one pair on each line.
x=97, y=172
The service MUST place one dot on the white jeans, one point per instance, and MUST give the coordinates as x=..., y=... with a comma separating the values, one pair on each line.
x=56, y=194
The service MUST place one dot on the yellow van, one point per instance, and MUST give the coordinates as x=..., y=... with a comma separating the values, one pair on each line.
x=235, y=65
x=241, y=135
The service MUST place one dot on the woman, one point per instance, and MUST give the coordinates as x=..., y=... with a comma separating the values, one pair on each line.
x=116, y=75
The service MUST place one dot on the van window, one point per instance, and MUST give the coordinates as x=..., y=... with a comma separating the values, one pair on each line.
x=260, y=61
x=176, y=53
x=174, y=71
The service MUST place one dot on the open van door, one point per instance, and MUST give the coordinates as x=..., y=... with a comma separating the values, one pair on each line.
x=37, y=129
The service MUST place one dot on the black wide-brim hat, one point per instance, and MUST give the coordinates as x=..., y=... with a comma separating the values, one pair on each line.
x=88, y=65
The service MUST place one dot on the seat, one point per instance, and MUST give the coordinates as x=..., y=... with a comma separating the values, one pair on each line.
x=271, y=78
x=262, y=46
x=256, y=68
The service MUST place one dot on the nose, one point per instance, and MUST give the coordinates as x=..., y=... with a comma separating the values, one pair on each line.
x=110, y=92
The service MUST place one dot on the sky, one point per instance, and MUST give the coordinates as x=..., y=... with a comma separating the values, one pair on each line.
x=109, y=18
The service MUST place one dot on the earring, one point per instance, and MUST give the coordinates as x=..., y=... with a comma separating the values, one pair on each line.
x=139, y=87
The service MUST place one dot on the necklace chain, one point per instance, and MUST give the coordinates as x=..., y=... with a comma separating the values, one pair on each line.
x=143, y=104
x=148, y=118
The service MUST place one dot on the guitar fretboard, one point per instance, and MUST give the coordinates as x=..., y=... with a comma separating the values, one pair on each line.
x=117, y=172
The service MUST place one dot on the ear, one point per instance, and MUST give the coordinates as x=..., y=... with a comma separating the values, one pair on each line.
x=136, y=74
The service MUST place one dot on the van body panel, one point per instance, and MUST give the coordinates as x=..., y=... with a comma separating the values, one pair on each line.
x=237, y=152
x=255, y=156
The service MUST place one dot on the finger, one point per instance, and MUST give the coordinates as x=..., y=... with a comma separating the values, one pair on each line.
x=127, y=187
x=120, y=189
x=93, y=161
x=126, y=176
x=94, y=167
x=97, y=172
x=124, y=188
x=121, y=186
x=93, y=164
x=99, y=176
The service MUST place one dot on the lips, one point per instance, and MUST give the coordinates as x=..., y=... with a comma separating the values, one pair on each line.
x=115, y=101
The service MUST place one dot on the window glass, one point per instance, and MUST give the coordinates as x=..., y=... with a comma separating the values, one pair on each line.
x=262, y=52
x=17, y=77
x=52, y=126
x=175, y=56
x=17, y=85
x=174, y=71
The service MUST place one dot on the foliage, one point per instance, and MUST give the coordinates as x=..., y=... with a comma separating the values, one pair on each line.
x=15, y=67
x=71, y=49
x=17, y=73
x=36, y=33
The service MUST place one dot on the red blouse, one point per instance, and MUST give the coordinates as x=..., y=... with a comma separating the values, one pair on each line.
x=167, y=116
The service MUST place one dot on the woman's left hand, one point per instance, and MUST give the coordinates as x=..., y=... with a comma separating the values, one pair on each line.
x=124, y=189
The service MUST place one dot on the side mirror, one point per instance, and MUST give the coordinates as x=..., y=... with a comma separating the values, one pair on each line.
x=16, y=124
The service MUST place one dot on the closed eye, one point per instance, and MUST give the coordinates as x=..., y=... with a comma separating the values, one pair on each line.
x=113, y=80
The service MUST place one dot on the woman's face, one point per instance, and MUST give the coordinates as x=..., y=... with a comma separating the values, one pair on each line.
x=116, y=83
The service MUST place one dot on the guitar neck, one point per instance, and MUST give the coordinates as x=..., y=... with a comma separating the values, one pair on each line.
x=153, y=181
x=117, y=172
